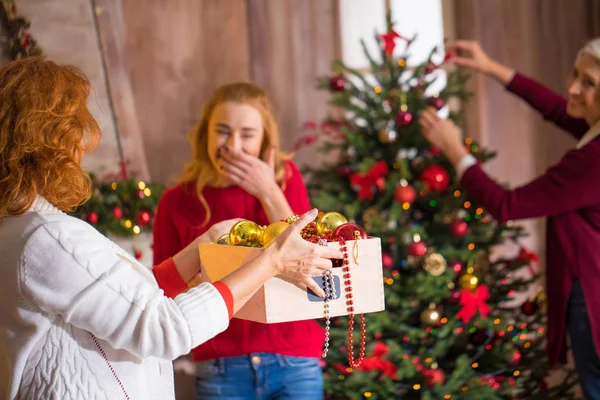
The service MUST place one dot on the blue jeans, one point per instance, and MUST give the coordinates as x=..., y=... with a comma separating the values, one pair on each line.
x=582, y=345
x=259, y=376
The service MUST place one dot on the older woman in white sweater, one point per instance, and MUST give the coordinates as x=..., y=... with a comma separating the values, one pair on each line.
x=79, y=317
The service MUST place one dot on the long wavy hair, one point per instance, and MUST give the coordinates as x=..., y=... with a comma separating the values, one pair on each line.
x=200, y=169
x=45, y=128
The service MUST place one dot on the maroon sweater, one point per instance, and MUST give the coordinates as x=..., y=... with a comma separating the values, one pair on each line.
x=569, y=195
x=177, y=223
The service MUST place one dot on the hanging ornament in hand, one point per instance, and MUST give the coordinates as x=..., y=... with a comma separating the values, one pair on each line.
x=93, y=218
x=430, y=316
x=337, y=84
x=417, y=249
x=387, y=135
x=459, y=229
x=329, y=222
x=435, y=178
x=272, y=231
x=529, y=308
x=434, y=264
x=436, y=102
x=405, y=194
x=143, y=218
x=246, y=233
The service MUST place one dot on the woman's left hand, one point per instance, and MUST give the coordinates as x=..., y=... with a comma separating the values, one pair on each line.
x=443, y=134
x=255, y=176
x=217, y=230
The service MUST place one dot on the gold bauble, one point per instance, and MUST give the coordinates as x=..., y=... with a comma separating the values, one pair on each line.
x=246, y=233
x=435, y=264
x=223, y=239
x=469, y=281
x=387, y=135
x=328, y=222
x=272, y=231
x=430, y=316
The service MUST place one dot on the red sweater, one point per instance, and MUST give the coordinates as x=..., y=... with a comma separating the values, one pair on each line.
x=177, y=223
x=569, y=195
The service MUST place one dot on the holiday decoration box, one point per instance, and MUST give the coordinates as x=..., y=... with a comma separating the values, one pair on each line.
x=282, y=301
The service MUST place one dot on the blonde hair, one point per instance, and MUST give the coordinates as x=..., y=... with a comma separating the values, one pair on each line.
x=45, y=126
x=200, y=169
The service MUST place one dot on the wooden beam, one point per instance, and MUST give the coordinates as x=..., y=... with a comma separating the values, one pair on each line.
x=111, y=36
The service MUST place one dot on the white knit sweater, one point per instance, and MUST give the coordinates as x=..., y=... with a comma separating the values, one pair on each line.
x=66, y=291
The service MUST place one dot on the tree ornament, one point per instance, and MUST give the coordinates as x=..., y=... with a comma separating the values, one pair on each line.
x=272, y=231
x=143, y=218
x=404, y=118
x=93, y=218
x=387, y=135
x=456, y=266
x=430, y=316
x=246, y=233
x=515, y=357
x=540, y=298
x=529, y=308
x=417, y=249
x=387, y=260
x=118, y=212
x=434, y=377
x=329, y=222
x=337, y=84
x=349, y=232
x=405, y=194
x=434, y=264
x=137, y=254
x=436, y=102
x=469, y=282
x=459, y=229
x=141, y=194
x=435, y=178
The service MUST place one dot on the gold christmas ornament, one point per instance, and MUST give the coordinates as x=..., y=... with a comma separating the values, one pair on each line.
x=430, y=316
x=328, y=222
x=540, y=298
x=246, y=233
x=469, y=281
x=435, y=264
x=387, y=135
x=272, y=231
x=223, y=239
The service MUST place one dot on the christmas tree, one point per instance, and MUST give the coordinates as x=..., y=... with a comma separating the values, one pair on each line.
x=450, y=329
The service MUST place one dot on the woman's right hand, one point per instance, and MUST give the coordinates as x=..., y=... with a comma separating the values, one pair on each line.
x=471, y=55
x=298, y=260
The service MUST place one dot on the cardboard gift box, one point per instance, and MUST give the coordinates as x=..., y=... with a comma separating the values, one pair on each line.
x=281, y=301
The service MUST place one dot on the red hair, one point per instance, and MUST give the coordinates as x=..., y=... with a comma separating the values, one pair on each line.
x=45, y=127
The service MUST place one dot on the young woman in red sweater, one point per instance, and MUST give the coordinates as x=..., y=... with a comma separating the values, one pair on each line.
x=238, y=171
x=568, y=194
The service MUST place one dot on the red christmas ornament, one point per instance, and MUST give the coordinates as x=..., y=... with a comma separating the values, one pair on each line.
x=435, y=151
x=417, y=249
x=435, y=177
x=529, y=308
x=138, y=255
x=434, y=377
x=436, y=102
x=337, y=84
x=515, y=357
x=348, y=232
x=459, y=229
x=456, y=266
x=143, y=218
x=140, y=194
x=404, y=118
x=405, y=194
x=387, y=260
x=118, y=212
x=93, y=218
x=454, y=297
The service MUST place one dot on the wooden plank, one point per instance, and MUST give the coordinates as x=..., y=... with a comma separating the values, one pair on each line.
x=109, y=20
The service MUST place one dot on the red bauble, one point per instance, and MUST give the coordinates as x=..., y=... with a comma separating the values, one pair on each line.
x=405, y=194
x=387, y=260
x=454, y=297
x=435, y=151
x=417, y=249
x=138, y=255
x=515, y=357
x=93, y=218
x=436, y=102
x=434, y=377
x=143, y=218
x=141, y=194
x=118, y=212
x=347, y=232
x=459, y=229
x=456, y=266
x=435, y=177
x=404, y=118
x=529, y=308
x=337, y=84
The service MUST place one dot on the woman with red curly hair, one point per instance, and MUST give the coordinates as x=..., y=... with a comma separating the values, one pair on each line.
x=79, y=317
